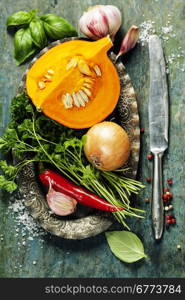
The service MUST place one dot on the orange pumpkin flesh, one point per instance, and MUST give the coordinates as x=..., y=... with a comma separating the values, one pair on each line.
x=104, y=91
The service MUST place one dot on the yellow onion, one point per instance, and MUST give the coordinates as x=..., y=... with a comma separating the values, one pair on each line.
x=107, y=146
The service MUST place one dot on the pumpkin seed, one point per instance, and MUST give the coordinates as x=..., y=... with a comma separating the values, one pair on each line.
x=72, y=63
x=75, y=99
x=41, y=85
x=84, y=68
x=50, y=71
x=48, y=77
x=89, y=80
x=80, y=99
x=97, y=70
x=87, y=85
x=87, y=91
x=67, y=100
x=83, y=95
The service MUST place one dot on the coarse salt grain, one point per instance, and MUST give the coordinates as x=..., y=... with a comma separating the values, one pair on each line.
x=166, y=33
x=146, y=29
x=25, y=225
x=167, y=29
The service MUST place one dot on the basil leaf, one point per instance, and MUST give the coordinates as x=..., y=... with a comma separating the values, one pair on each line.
x=57, y=27
x=125, y=245
x=20, y=18
x=37, y=33
x=23, y=45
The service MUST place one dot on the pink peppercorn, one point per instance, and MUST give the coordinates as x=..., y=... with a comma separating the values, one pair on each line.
x=150, y=156
x=148, y=179
x=170, y=181
x=173, y=221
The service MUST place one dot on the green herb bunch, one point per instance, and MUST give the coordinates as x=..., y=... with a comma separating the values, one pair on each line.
x=30, y=132
x=34, y=32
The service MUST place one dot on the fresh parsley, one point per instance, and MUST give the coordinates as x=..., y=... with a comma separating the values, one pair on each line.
x=31, y=132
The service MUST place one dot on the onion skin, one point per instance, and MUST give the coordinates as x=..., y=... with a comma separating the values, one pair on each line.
x=107, y=146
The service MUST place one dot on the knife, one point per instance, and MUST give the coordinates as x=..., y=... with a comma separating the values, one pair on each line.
x=158, y=128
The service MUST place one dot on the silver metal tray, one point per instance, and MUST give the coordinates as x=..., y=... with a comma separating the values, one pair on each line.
x=90, y=222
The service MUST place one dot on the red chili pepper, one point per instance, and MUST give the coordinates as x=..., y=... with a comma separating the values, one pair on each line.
x=82, y=195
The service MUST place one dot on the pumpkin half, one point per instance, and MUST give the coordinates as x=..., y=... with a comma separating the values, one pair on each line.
x=75, y=83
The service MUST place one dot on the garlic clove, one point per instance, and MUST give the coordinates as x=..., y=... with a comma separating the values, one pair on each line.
x=83, y=26
x=98, y=26
x=114, y=17
x=60, y=204
x=129, y=40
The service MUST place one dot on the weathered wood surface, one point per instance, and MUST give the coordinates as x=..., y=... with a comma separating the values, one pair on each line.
x=57, y=257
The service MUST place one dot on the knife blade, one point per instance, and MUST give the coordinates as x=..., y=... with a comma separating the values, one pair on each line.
x=158, y=128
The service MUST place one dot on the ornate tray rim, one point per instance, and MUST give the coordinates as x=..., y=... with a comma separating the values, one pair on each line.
x=35, y=202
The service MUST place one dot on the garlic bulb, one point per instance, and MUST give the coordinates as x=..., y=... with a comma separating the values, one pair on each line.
x=59, y=203
x=100, y=21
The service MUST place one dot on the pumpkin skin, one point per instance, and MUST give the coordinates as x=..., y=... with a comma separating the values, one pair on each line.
x=105, y=90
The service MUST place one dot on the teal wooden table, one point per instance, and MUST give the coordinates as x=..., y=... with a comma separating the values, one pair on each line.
x=26, y=251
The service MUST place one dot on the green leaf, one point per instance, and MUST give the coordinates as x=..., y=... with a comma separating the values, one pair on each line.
x=7, y=185
x=59, y=148
x=26, y=125
x=23, y=45
x=29, y=108
x=7, y=169
x=125, y=245
x=8, y=140
x=37, y=33
x=21, y=108
x=84, y=139
x=20, y=18
x=57, y=27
